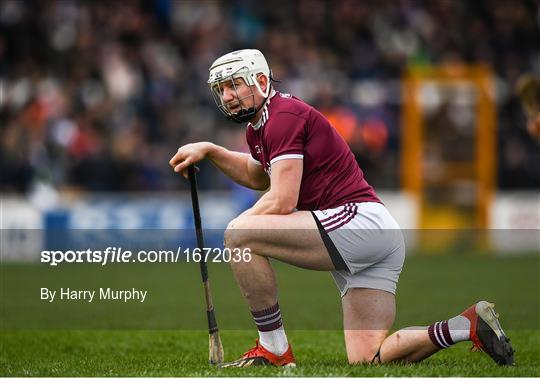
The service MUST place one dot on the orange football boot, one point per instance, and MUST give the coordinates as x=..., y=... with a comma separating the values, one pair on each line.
x=259, y=356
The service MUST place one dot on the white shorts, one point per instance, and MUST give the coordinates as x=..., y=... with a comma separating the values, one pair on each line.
x=365, y=244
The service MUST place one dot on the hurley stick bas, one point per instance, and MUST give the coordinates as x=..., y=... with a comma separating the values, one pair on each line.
x=215, y=354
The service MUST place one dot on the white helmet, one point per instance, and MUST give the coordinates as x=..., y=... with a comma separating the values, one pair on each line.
x=246, y=64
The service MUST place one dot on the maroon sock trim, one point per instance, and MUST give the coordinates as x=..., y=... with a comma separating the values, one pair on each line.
x=446, y=333
x=431, y=334
x=439, y=333
x=268, y=319
x=266, y=312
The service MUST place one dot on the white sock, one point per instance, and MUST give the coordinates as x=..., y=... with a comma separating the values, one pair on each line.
x=274, y=341
x=459, y=328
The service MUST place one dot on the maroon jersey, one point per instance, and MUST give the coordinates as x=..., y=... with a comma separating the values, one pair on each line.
x=292, y=129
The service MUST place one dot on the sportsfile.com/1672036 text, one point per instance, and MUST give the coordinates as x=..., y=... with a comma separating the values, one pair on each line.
x=119, y=255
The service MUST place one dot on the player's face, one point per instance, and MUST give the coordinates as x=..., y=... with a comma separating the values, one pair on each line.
x=236, y=94
x=238, y=100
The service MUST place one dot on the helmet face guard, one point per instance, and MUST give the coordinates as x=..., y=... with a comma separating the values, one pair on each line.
x=245, y=64
x=244, y=114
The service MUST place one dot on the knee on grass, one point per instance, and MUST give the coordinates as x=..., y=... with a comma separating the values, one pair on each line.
x=363, y=346
x=363, y=356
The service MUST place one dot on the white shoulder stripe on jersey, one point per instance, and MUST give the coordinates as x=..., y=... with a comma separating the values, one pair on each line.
x=254, y=160
x=287, y=156
x=265, y=114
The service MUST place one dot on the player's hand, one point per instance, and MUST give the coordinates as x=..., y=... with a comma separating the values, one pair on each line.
x=187, y=155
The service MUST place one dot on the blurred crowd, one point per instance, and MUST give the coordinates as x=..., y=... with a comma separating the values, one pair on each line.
x=98, y=95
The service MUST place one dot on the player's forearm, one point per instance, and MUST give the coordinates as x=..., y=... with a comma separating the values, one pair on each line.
x=231, y=163
x=268, y=204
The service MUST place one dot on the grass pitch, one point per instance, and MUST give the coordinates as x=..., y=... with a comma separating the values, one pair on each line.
x=184, y=353
x=165, y=336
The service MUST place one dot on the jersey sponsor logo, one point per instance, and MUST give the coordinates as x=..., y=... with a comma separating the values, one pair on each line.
x=266, y=165
x=287, y=95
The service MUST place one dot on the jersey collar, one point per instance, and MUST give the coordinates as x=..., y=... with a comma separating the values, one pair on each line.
x=264, y=116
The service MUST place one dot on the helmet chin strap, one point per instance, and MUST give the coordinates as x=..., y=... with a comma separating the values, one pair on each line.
x=244, y=115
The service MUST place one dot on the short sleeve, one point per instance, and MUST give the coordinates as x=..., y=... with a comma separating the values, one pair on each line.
x=285, y=138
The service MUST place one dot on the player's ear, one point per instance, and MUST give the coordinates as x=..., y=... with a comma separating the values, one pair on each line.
x=263, y=81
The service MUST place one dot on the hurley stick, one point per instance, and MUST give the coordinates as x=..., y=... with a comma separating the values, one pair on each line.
x=214, y=345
